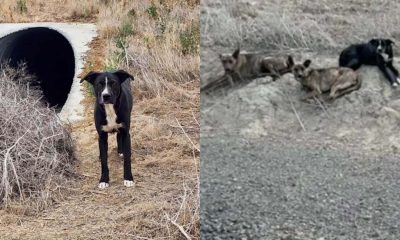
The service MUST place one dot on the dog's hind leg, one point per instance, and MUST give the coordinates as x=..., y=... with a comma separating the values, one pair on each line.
x=126, y=149
x=354, y=87
x=103, y=147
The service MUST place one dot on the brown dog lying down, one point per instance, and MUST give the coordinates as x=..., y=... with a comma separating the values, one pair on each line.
x=241, y=67
x=335, y=80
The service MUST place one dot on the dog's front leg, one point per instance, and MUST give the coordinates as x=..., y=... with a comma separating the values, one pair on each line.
x=395, y=71
x=312, y=94
x=126, y=148
x=119, y=145
x=103, y=147
x=239, y=77
x=388, y=74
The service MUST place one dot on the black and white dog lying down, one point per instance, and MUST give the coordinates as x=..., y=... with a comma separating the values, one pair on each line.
x=377, y=52
x=112, y=114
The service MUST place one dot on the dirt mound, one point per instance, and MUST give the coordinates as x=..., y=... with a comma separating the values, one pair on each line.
x=367, y=118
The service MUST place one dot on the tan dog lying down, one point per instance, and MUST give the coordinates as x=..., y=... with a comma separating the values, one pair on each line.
x=240, y=67
x=335, y=80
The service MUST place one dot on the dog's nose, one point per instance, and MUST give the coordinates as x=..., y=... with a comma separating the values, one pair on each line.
x=106, y=97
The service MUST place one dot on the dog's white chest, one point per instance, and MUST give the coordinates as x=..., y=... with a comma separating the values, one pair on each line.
x=111, y=118
x=385, y=57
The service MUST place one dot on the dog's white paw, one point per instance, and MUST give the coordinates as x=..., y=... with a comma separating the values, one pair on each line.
x=120, y=154
x=398, y=80
x=395, y=84
x=103, y=185
x=128, y=183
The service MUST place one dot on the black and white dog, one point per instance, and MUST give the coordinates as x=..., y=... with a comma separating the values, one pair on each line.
x=112, y=113
x=377, y=52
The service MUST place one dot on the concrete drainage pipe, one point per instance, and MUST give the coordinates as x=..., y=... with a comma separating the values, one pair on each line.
x=48, y=55
x=54, y=52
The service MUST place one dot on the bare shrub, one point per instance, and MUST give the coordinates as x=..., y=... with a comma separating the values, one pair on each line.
x=35, y=149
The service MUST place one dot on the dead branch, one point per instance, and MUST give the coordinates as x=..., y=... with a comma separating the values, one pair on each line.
x=180, y=228
x=297, y=115
x=187, y=136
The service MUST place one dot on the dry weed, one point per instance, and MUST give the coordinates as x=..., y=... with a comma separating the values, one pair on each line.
x=35, y=149
x=302, y=24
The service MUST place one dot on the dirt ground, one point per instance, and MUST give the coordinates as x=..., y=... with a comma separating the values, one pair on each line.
x=164, y=202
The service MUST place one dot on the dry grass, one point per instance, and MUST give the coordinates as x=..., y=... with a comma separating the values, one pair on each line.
x=35, y=148
x=300, y=24
x=158, y=42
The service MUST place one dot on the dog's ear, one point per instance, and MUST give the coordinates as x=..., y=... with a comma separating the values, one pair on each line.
x=290, y=61
x=122, y=75
x=390, y=42
x=373, y=42
x=307, y=63
x=90, y=77
x=236, y=53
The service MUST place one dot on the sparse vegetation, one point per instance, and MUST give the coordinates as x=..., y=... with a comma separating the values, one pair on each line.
x=304, y=25
x=84, y=9
x=126, y=29
x=190, y=39
x=152, y=11
x=21, y=7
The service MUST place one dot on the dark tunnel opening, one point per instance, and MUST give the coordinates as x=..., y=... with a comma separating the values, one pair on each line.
x=48, y=55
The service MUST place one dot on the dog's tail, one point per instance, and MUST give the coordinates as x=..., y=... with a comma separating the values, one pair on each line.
x=355, y=87
x=216, y=84
x=211, y=86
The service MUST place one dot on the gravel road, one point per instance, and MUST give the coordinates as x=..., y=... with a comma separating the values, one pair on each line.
x=275, y=188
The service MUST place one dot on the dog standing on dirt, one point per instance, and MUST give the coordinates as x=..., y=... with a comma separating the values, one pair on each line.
x=335, y=80
x=240, y=67
x=377, y=52
x=112, y=114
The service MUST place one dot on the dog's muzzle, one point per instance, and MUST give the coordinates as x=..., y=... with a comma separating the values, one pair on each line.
x=106, y=98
